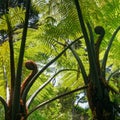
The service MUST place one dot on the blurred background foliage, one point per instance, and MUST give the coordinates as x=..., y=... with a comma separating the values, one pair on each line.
x=52, y=25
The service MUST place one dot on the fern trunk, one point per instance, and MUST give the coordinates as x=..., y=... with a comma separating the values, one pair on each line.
x=102, y=109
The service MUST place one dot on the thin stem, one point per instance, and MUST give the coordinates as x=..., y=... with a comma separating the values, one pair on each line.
x=12, y=62
x=44, y=68
x=107, y=52
x=81, y=66
x=16, y=99
x=55, y=98
x=91, y=56
x=45, y=84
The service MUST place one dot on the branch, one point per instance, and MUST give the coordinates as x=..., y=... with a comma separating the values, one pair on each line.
x=107, y=52
x=12, y=62
x=55, y=98
x=16, y=98
x=91, y=55
x=81, y=66
x=44, y=68
x=44, y=85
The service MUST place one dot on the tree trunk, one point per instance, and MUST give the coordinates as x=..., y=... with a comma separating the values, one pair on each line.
x=102, y=109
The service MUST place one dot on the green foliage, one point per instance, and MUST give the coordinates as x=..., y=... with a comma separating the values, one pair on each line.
x=59, y=26
x=16, y=16
x=4, y=72
x=1, y=112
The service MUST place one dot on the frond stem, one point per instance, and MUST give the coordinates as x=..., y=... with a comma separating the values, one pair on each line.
x=55, y=98
x=44, y=68
x=44, y=85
